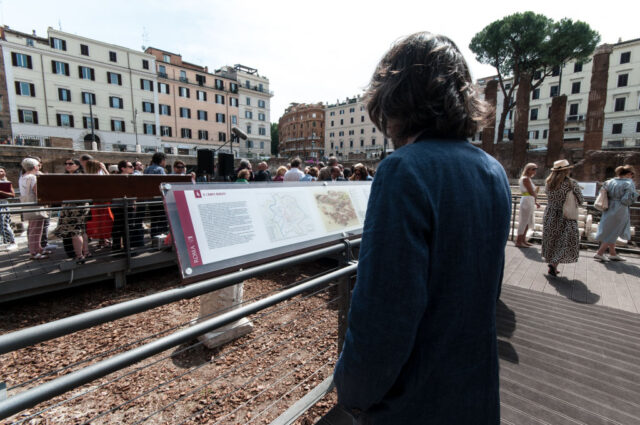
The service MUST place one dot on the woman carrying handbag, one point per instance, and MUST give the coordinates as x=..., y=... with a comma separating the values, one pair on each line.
x=27, y=183
x=616, y=221
x=560, y=236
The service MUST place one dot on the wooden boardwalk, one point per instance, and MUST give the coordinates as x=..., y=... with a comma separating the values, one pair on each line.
x=613, y=284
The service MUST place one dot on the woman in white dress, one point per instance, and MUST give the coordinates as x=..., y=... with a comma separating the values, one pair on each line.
x=528, y=204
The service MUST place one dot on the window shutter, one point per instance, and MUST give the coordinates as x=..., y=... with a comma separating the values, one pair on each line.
x=66, y=69
x=141, y=84
x=35, y=117
x=206, y=116
x=29, y=64
x=113, y=126
x=170, y=132
x=17, y=83
x=84, y=122
x=205, y=96
x=123, y=129
x=153, y=107
x=53, y=67
x=93, y=74
x=20, y=116
x=154, y=129
x=64, y=45
x=95, y=124
x=108, y=77
x=119, y=79
x=14, y=59
x=188, y=95
x=189, y=113
x=33, y=90
x=58, y=120
x=80, y=71
x=168, y=89
x=71, y=120
x=59, y=94
x=121, y=103
x=169, y=109
x=51, y=42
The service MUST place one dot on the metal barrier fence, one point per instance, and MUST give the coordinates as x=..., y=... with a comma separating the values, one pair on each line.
x=292, y=348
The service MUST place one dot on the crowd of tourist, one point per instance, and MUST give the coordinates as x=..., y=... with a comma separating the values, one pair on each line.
x=295, y=171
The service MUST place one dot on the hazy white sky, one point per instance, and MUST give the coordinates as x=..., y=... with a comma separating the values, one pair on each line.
x=311, y=52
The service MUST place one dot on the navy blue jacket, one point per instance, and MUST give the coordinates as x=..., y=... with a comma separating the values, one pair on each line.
x=421, y=342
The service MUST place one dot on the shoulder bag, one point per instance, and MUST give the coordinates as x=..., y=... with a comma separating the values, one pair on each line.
x=570, y=207
x=602, y=201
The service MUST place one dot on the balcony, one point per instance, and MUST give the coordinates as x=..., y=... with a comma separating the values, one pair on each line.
x=575, y=118
x=184, y=79
x=163, y=75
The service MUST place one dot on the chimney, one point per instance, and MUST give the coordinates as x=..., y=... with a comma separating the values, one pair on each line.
x=34, y=32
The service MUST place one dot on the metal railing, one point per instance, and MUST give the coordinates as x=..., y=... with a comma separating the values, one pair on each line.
x=334, y=284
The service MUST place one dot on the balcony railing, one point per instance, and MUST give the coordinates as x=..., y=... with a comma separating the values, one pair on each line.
x=184, y=79
x=575, y=118
x=163, y=75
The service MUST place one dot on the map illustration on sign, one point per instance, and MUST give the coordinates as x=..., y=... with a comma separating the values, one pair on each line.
x=285, y=218
x=336, y=209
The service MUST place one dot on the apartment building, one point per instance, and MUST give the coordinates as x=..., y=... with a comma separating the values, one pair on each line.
x=196, y=108
x=301, y=131
x=350, y=132
x=621, y=127
x=254, y=117
x=63, y=86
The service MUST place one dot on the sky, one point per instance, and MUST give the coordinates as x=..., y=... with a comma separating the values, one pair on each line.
x=320, y=51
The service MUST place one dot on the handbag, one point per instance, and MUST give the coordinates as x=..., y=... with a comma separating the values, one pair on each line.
x=35, y=215
x=570, y=207
x=602, y=201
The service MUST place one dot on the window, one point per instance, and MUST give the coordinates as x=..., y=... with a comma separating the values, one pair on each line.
x=362, y=131
x=116, y=102
x=148, y=107
x=623, y=80
x=534, y=114
x=185, y=113
x=554, y=91
x=233, y=87
x=248, y=114
x=27, y=116
x=202, y=115
x=340, y=133
x=117, y=125
x=373, y=129
x=331, y=123
x=86, y=123
x=84, y=50
x=351, y=121
x=535, y=94
x=165, y=131
x=163, y=88
x=234, y=119
x=183, y=76
x=362, y=118
x=200, y=95
x=23, y=61
x=166, y=58
x=248, y=101
x=29, y=42
x=185, y=133
x=545, y=132
x=64, y=95
x=619, y=105
x=263, y=117
x=625, y=57
x=373, y=141
x=262, y=131
x=149, y=129
x=262, y=104
x=86, y=73
x=537, y=75
x=577, y=67
x=113, y=57
x=25, y=89
x=203, y=135
x=114, y=78
x=60, y=68
x=616, y=128
x=220, y=117
x=638, y=127
x=233, y=101
x=58, y=44
x=88, y=98
x=248, y=128
x=361, y=142
x=164, y=110
x=220, y=100
x=573, y=109
x=145, y=64
x=146, y=84
x=201, y=79
x=183, y=92
x=575, y=87
x=341, y=121
x=64, y=120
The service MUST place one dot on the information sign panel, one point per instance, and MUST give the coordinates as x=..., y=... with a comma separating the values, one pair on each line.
x=224, y=226
x=588, y=189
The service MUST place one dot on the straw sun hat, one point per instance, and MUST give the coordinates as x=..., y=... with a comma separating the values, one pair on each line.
x=560, y=165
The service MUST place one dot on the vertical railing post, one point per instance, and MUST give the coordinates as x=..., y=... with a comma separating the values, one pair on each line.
x=513, y=217
x=127, y=234
x=344, y=296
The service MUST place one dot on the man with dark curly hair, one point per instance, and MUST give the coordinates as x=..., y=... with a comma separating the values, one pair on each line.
x=421, y=345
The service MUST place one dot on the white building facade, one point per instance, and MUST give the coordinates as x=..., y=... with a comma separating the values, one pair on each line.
x=58, y=83
x=350, y=132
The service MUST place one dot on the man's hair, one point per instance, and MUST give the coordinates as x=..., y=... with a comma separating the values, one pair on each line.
x=332, y=161
x=295, y=162
x=244, y=163
x=158, y=157
x=121, y=165
x=86, y=157
x=178, y=162
x=423, y=84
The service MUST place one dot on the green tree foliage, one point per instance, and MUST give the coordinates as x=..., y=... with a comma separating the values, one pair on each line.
x=523, y=43
x=274, y=138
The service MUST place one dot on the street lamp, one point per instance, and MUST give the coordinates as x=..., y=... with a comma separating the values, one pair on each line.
x=94, y=145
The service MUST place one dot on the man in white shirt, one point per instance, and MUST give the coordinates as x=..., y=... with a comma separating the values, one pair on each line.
x=294, y=174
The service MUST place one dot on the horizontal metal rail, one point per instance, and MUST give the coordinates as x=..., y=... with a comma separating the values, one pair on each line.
x=46, y=391
x=40, y=333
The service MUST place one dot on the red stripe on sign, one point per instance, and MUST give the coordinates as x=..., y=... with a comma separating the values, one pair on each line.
x=187, y=228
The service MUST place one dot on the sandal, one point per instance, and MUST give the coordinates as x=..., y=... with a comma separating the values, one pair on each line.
x=552, y=270
x=39, y=256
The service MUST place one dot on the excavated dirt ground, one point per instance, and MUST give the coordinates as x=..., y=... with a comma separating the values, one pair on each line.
x=251, y=380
